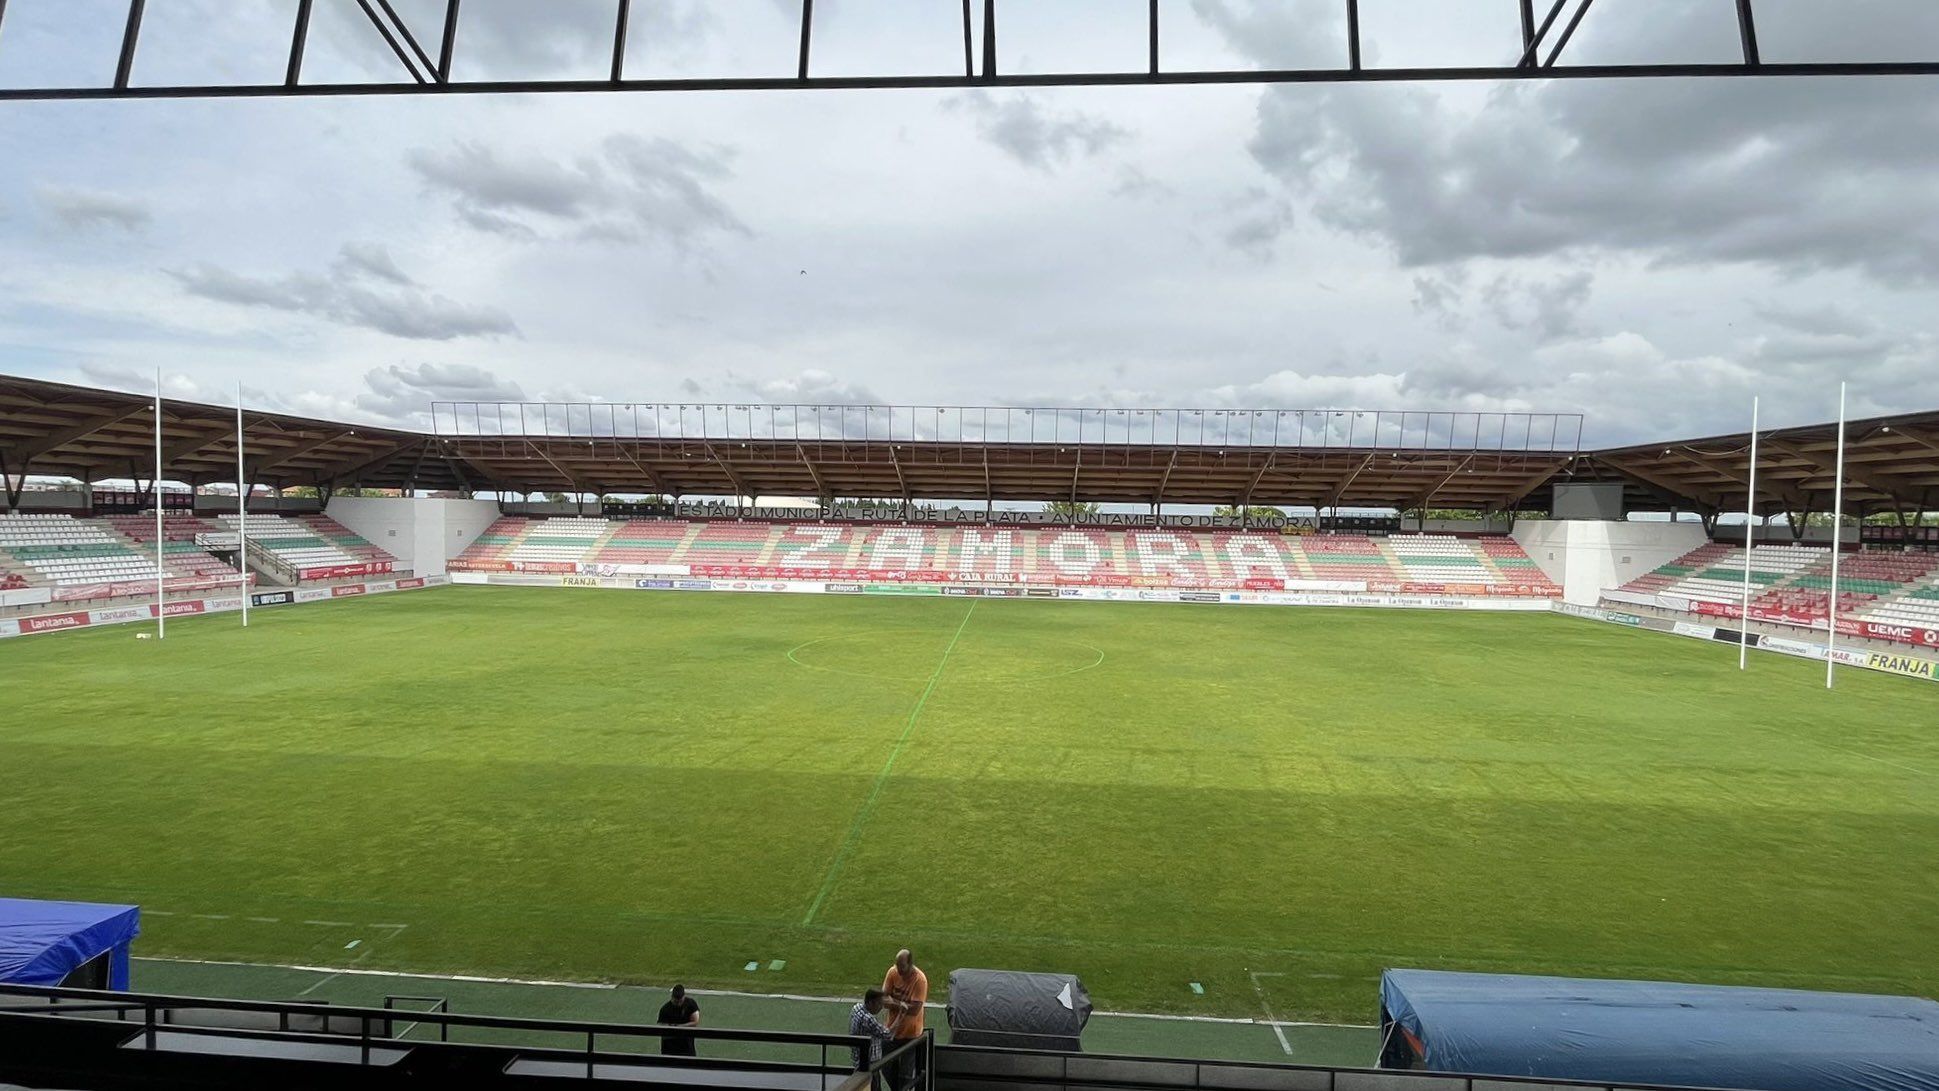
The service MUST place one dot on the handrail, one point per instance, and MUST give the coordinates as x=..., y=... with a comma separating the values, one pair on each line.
x=264, y=557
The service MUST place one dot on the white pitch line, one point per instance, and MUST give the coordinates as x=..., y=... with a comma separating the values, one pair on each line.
x=477, y=979
x=1266, y=1006
x=333, y=924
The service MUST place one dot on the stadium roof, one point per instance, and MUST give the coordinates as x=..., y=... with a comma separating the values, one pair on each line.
x=72, y=431
x=1891, y=463
x=1434, y=460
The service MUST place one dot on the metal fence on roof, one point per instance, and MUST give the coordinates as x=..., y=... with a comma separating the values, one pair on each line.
x=1360, y=429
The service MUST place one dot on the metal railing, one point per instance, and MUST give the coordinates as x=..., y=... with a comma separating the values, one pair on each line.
x=263, y=558
x=965, y=1068
x=1358, y=429
x=373, y=1028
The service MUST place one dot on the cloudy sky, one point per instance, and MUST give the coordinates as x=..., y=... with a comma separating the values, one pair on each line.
x=1649, y=253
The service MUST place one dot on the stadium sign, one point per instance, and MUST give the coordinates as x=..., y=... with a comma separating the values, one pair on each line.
x=125, y=613
x=49, y=622
x=1902, y=634
x=1799, y=648
x=1901, y=664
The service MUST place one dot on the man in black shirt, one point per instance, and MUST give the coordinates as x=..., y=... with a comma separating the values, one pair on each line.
x=679, y=1011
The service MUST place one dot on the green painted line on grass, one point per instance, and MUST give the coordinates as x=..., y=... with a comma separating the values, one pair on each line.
x=882, y=778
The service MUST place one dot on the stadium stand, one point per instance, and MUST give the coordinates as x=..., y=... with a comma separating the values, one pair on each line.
x=63, y=550
x=311, y=544
x=1045, y=556
x=734, y=543
x=1715, y=572
x=180, y=550
x=560, y=540
x=495, y=543
x=113, y=556
x=1914, y=602
x=1864, y=579
x=345, y=539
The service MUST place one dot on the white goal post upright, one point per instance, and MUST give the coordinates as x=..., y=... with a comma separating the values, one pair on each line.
x=155, y=496
x=1750, y=544
x=1837, y=540
x=242, y=515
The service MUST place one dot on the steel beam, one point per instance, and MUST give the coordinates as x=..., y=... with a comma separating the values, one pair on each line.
x=448, y=44
x=620, y=20
x=299, y=41
x=1747, y=33
x=124, y=66
x=954, y=82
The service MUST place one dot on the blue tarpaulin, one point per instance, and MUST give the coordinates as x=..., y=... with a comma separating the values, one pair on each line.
x=1662, y=1033
x=42, y=942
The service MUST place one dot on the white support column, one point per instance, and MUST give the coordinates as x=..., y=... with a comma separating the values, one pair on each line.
x=1750, y=543
x=1837, y=539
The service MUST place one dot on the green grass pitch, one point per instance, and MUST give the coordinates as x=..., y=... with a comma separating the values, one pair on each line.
x=1276, y=803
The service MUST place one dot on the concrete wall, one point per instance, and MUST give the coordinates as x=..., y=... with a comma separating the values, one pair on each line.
x=50, y=501
x=422, y=534
x=1586, y=558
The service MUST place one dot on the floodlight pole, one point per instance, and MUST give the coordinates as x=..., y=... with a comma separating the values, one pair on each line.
x=155, y=497
x=1750, y=543
x=242, y=514
x=1837, y=533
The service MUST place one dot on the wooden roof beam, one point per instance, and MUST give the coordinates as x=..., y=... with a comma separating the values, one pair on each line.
x=200, y=441
x=1890, y=490
x=822, y=491
x=355, y=466
x=26, y=452
x=1422, y=501
x=293, y=453
x=1673, y=490
x=1333, y=501
x=1928, y=440
x=732, y=477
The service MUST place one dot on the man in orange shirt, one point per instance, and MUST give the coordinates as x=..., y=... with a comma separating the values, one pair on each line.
x=907, y=989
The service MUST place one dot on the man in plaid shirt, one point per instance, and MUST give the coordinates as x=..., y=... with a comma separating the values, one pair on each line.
x=862, y=1023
